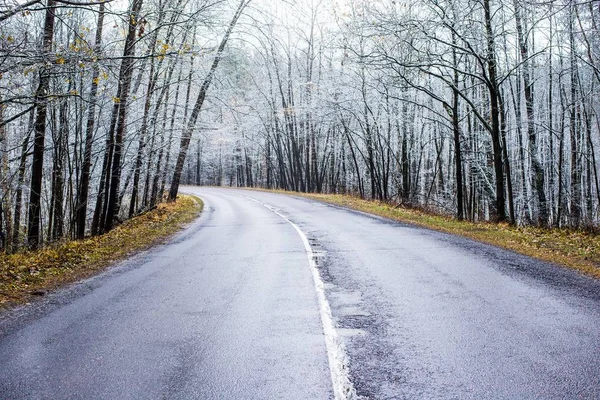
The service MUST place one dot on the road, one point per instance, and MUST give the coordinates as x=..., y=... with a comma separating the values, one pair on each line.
x=269, y=296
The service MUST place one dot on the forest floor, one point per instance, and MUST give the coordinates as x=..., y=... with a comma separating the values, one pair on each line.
x=30, y=274
x=575, y=249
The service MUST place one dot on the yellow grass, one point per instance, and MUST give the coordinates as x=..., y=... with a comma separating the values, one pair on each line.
x=25, y=274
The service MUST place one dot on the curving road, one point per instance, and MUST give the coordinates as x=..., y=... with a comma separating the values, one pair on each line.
x=238, y=305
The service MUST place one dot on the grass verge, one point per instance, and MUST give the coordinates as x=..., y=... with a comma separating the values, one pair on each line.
x=579, y=250
x=33, y=273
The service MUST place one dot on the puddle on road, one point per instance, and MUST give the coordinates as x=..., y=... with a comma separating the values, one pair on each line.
x=341, y=298
x=346, y=305
x=349, y=332
x=353, y=311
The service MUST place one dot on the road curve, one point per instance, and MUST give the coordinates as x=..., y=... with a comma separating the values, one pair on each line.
x=228, y=310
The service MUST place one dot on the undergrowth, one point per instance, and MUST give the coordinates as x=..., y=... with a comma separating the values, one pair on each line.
x=33, y=273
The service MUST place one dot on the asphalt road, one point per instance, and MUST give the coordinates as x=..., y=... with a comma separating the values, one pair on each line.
x=238, y=305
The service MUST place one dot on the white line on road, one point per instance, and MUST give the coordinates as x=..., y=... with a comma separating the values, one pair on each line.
x=338, y=362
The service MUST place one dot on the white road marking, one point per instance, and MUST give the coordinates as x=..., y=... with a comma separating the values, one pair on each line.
x=338, y=362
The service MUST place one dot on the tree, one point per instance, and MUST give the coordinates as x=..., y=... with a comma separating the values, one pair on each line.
x=41, y=99
x=187, y=134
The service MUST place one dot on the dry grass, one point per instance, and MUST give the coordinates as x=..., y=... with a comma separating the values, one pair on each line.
x=575, y=249
x=32, y=273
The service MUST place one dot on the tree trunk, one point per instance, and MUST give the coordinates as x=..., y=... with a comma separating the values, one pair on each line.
x=5, y=234
x=574, y=131
x=124, y=81
x=84, y=181
x=538, y=172
x=456, y=134
x=60, y=148
x=34, y=238
x=494, y=93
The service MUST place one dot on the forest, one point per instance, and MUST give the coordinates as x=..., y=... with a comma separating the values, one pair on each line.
x=484, y=110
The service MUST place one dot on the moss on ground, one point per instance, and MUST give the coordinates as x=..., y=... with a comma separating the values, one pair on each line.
x=575, y=249
x=30, y=273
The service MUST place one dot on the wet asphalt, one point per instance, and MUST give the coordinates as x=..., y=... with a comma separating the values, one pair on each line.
x=228, y=310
